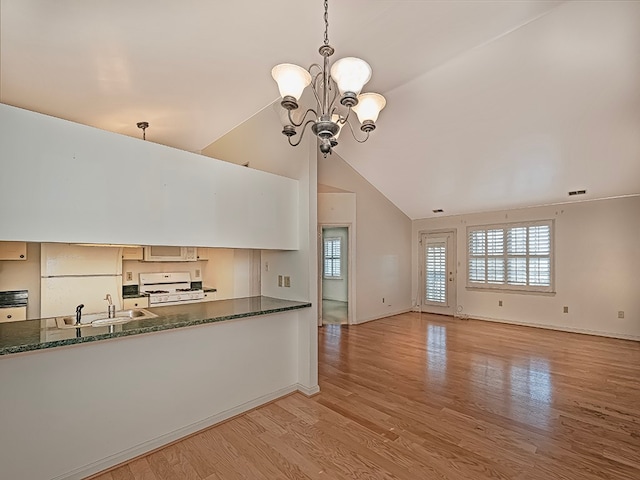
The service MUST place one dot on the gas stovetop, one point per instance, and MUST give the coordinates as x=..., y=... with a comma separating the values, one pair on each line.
x=169, y=288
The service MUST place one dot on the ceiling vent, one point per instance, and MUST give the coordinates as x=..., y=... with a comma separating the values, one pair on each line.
x=438, y=210
x=577, y=192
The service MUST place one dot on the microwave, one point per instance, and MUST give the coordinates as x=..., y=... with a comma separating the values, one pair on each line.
x=159, y=253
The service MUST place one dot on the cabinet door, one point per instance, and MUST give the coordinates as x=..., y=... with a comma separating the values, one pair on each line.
x=13, y=250
x=139, y=302
x=13, y=314
x=132, y=253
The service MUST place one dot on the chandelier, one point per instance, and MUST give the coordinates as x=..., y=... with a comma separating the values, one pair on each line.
x=346, y=78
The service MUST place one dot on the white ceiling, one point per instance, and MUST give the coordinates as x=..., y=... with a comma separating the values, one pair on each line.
x=490, y=105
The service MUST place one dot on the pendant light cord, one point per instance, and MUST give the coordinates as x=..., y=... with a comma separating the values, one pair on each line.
x=326, y=22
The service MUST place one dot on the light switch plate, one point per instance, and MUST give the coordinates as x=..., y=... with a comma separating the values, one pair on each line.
x=279, y=280
x=287, y=281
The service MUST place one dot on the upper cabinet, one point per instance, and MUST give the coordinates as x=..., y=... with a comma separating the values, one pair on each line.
x=13, y=250
x=86, y=185
x=132, y=253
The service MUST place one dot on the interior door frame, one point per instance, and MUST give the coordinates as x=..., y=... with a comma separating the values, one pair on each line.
x=351, y=308
x=454, y=261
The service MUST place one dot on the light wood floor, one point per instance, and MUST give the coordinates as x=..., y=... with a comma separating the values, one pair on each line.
x=420, y=396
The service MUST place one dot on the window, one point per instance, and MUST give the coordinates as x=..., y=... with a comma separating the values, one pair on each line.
x=513, y=256
x=332, y=258
x=436, y=278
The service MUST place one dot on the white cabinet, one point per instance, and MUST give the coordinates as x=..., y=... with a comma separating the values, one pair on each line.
x=13, y=250
x=209, y=296
x=138, y=302
x=132, y=253
x=13, y=314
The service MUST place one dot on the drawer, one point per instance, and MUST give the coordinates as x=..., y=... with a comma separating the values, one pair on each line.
x=13, y=314
x=139, y=302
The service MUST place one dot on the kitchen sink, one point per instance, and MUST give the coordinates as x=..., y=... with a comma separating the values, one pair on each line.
x=102, y=320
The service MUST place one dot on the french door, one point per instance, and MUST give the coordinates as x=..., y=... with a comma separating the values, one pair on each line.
x=437, y=272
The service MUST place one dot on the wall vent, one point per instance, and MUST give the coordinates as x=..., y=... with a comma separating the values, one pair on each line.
x=577, y=192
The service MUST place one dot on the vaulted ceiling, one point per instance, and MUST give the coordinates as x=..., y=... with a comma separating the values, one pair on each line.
x=490, y=105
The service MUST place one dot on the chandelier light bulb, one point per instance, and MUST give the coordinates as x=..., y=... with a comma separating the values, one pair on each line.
x=291, y=79
x=351, y=74
x=369, y=106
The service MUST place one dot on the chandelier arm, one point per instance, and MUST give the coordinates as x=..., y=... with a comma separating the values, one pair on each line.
x=304, y=129
x=354, y=134
x=303, y=118
x=315, y=93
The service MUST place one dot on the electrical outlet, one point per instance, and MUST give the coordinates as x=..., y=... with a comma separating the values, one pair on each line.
x=129, y=276
x=499, y=303
x=287, y=281
x=279, y=280
x=266, y=266
x=620, y=313
x=565, y=309
x=197, y=273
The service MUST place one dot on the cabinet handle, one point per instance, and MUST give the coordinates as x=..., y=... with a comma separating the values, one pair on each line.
x=9, y=316
x=21, y=256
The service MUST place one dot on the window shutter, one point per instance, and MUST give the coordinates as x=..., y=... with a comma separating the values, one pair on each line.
x=512, y=256
x=436, y=278
x=332, y=255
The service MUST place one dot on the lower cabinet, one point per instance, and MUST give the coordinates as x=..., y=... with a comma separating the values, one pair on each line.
x=13, y=314
x=138, y=302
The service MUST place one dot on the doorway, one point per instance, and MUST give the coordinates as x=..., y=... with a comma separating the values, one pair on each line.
x=437, y=272
x=334, y=275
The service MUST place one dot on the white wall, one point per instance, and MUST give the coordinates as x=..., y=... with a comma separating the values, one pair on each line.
x=70, y=412
x=258, y=140
x=382, y=239
x=597, y=260
x=65, y=182
x=337, y=288
x=24, y=275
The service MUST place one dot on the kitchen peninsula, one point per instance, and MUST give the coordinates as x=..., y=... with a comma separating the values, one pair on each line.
x=28, y=335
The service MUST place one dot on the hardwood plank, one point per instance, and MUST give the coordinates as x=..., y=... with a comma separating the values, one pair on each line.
x=427, y=396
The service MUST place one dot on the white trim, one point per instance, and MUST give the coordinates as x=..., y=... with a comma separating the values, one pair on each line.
x=388, y=314
x=584, y=331
x=308, y=391
x=163, y=440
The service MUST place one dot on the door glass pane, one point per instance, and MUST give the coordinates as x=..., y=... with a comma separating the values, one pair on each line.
x=436, y=273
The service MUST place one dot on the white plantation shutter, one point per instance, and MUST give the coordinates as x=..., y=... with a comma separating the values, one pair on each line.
x=332, y=257
x=436, y=268
x=511, y=256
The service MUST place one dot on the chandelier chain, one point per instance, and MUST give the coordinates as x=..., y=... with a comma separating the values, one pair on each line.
x=326, y=22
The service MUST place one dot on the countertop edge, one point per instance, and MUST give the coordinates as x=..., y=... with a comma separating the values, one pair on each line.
x=139, y=331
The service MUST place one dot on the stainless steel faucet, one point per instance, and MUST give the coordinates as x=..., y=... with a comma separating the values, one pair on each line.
x=111, y=308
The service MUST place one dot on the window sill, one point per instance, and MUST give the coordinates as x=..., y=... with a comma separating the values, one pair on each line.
x=511, y=290
x=333, y=278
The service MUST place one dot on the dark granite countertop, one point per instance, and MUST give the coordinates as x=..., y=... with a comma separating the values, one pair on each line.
x=27, y=335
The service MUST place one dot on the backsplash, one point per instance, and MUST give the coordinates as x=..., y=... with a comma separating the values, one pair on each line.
x=131, y=269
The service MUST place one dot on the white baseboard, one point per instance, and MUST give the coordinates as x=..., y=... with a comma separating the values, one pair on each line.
x=560, y=328
x=161, y=441
x=388, y=314
x=308, y=391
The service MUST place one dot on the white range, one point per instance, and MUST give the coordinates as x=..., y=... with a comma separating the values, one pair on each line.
x=169, y=288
